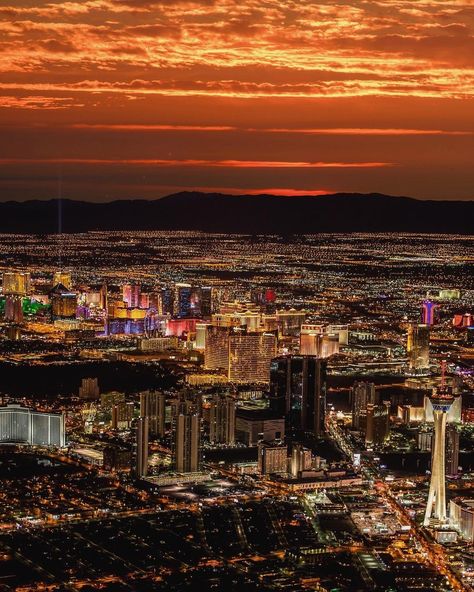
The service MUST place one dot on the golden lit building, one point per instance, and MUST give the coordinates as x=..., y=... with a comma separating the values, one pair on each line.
x=153, y=406
x=250, y=355
x=186, y=434
x=63, y=303
x=222, y=420
x=216, y=349
x=272, y=458
x=64, y=278
x=16, y=283
x=418, y=347
x=122, y=415
x=301, y=460
x=377, y=426
x=321, y=341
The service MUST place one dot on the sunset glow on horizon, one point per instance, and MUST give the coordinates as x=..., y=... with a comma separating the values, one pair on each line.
x=129, y=99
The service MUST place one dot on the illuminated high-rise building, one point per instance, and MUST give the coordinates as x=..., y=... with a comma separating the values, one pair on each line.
x=424, y=439
x=180, y=328
x=272, y=458
x=186, y=425
x=187, y=400
x=27, y=426
x=452, y=450
x=257, y=296
x=64, y=278
x=127, y=294
x=108, y=400
x=362, y=393
x=461, y=517
x=428, y=311
x=121, y=416
x=131, y=295
x=310, y=339
x=195, y=302
x=341, y=331
x=201, y=332
x=89, y=389
x=442, y=399
x=15, y=286
x=377, y=423
x=16, y=283
x=301, y=460
x=222, y=420
x=463, y=321
x=322, y=341
x=144, y=300
x=154, y=300
x=135, y=294
x=63, y=303
x=250, y=355
x=167, y=301
x=264, y=297
x=206, y=302
x=216, y=348
x=234, y=319
x=14, y=308
x=298, y=392
x=249, y=320
x=93, y=297
x=184, y=292
x=153, y=406
x=289, y=322
x=409, y=414
x=418, y=347
x=141, y=442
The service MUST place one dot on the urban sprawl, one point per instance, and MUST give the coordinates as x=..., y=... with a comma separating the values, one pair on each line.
x=186, y=411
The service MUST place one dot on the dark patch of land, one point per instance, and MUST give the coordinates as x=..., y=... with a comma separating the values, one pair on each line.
x=50, y=380
x=244, y=214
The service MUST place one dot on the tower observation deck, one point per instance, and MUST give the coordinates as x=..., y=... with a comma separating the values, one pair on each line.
x=441, y=399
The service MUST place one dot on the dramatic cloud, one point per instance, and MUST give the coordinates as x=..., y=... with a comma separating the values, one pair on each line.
x=241, y=164
x=355, y=83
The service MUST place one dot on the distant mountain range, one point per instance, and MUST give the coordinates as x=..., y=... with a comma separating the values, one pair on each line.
x=245, y=214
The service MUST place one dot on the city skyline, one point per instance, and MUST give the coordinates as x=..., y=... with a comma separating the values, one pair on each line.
x=114, y=99
x=236, y=295
x=291, y=412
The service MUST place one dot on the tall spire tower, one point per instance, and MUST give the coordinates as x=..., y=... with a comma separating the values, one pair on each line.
x=441, y=399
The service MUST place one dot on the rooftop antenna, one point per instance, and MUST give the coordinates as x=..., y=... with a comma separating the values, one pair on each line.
x=443, y=374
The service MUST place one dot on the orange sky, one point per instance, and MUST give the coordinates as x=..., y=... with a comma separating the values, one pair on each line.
x=135, y=98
